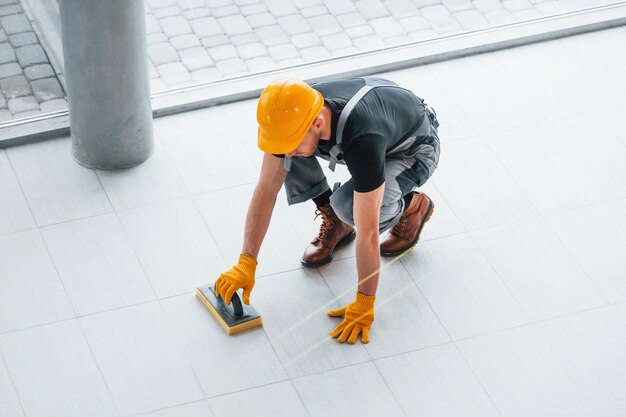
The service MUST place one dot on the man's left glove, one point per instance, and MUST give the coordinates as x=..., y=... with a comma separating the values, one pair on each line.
x=357, y=318
x=239, y=276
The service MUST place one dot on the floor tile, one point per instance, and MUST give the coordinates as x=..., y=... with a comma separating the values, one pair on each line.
x=241, y=115
x=225, y=214
x=55, y=373
x=591, y=346
x=453, y=124
x=294, y=306
x=603, y=57
x=273, y=400
x=523, y=376
x=443, y=221
x=488, y=95
x=462, y=288
x=153, y=181
x=538, y=270
x=9, y=403
x=403, y=319
x=596, y=238
x=436, y=382
x=27, y=276
x=97, y=264
x=195, y=409
x=206, y=150
x=599, y=141
x=477, y=187
x=174, y=246
x=356, y=390
x=529, y=155
x=222, y=363
x=141, y=359
x=56, y=187
x=540, y=69
x=15, y=214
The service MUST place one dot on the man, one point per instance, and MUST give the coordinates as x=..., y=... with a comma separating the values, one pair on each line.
x=388, y=139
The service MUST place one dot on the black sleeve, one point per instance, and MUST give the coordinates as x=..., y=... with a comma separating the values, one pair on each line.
x=365, y=159
x=279, y=155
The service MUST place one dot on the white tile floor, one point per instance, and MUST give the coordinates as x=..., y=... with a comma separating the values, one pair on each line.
x=513, y=304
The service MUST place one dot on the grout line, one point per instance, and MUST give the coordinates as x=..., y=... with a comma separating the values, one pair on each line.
x=12, y=380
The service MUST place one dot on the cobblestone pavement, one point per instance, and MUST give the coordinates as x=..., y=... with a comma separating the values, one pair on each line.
x=193, y=41
x=28, y=84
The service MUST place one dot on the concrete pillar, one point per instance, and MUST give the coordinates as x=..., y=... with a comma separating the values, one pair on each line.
x=106, y=68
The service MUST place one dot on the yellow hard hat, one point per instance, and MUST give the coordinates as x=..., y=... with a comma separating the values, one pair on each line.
x=286, y=110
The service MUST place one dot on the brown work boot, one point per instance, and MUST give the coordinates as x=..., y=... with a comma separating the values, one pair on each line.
x=333, y=234
x=406, y=233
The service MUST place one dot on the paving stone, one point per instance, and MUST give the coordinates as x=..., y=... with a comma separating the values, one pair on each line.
x=3, y=36
x=222, y=52
x=289, y=62
x=548, y=8
x=457, y=5
x=197, y=13
x=157, y=4
x=7, y=2
x=175, y=26
x=244, y=39
x=253, y=9
x=260, y=64
x=152, y=24
x=10, y=69
x=412, y=24
x=162, y=53
x=185, y=41
x=260, y=20
x=387, y=27
x=487, y=5
x=234, y=25
x=10, y=9
x=167, y=12
x=280, y=52
x=30, y=55
x=206, y=26
x=359, y=31
x=324, y=25
x=27, y=114
x=305, y=40
x=152, y=71
x=294, y=24
x=22, y=104
x=435, y=12
x=5, y=115
x=525, y=14
x=7, y=53
x=401, y=8
x=15, y=23
x=314, y=11
x=242, y=3
x=16, y=86
x=397, y=40
x=174, y=73
x=315, y=53
x=500, y=17
x=156, y=38
x=281, y=7
x=272, y=35
x=205, y=75
x=3, y=101
x=195, y=58
x=372, y=9
x=516, y=5
x=225, y=11
x=338, y=7
x=157, y=84
x=366, y=43
x=471, y=19
x=23, y=39
x=212, y=41
x=351, y=20
x=337, y=41
x=251, y=50
x=190, y=4
x=345, y=51
x=306, y=3
x=54, y=105
x=47, y=89
x=423, y=3
x=446, y=25
x=422, y=35
x=232, y=66
x=217, y=3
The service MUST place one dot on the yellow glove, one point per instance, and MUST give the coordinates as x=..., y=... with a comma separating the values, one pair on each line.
x=239, y=276
x=358, y=317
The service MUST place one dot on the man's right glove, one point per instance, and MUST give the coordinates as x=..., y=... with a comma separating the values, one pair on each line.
x=358, y=318
x=239, y=276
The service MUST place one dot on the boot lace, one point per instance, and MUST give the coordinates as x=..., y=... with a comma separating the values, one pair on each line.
x=398, y=229
x=326, y=227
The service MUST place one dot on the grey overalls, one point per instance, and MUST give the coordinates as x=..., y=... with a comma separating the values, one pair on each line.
x=407, y=166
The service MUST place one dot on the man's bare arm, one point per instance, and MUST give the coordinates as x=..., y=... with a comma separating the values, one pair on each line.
x=366, y=219
x=262, y=204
